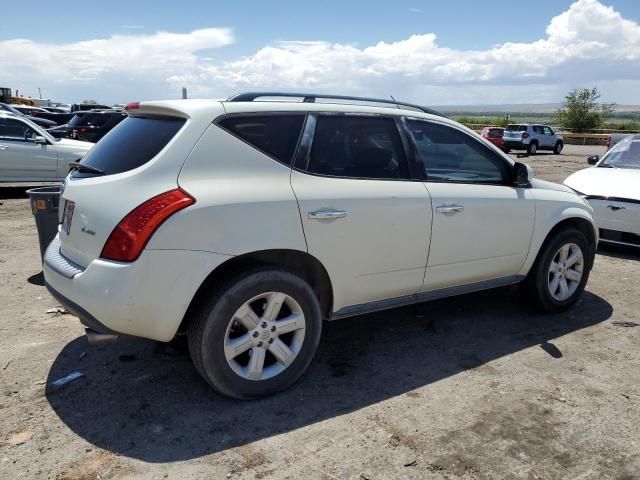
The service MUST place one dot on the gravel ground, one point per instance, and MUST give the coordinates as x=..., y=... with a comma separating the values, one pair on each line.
x=474, y=387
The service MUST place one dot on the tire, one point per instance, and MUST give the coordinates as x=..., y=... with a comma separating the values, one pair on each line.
x=540, y=283
x=506, y=150
x=216, y=329
x=532, y=148
x=558, y=148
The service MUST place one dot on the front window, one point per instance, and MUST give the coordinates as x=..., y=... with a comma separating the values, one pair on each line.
x=15, y=130
x=450, y=155
x=626, y=154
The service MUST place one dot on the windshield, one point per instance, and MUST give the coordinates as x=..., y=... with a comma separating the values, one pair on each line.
x=626, y=154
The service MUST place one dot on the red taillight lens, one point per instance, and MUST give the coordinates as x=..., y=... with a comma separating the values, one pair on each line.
x=128, y=239
x=132, y=106
x=525, y=135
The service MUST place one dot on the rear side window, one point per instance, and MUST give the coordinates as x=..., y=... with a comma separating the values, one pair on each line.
x=274, y=135
x=358, y=147
x=516, y=128
x=132, y=143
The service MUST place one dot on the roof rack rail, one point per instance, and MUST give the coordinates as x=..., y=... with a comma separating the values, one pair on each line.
x=311, y=98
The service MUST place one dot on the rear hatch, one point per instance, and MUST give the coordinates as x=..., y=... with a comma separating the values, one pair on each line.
x=514, y=132
x=136, y=161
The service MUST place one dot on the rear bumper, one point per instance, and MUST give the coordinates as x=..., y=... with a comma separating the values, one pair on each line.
x=513, y=144
x=146, y=298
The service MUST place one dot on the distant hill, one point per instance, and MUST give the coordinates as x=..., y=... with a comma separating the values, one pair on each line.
x=540, y=108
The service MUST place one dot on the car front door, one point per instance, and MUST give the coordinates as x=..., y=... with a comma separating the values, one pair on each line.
x=482, y=223
x=21, y=158
x=364, y=216
x=550, y=137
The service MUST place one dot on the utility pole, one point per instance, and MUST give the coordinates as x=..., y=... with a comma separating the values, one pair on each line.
x=184, y=93
x=39, y=93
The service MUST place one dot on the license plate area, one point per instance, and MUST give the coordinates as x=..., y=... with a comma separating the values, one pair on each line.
x=67, y=216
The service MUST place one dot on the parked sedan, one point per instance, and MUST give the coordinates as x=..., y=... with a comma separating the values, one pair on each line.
x=29, y=154
x=44, y=123
x=612, y=187
x=494, y=134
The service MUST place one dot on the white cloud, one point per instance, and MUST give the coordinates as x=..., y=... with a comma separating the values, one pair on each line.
x=587, y=44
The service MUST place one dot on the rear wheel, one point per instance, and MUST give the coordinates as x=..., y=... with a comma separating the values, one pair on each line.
x=532, y=148
x=257, y=334
x=558, y=148
x=560, y=273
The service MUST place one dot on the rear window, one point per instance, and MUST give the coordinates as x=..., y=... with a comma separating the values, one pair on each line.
x=132, y=143
x=275, y=135
x=496, y=133
x=516, y=128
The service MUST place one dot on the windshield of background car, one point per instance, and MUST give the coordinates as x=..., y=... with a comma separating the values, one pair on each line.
x=626, y=154
x=132, y=143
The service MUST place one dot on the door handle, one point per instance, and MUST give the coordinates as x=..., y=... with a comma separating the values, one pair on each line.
x=449, y=209
x=327, y=214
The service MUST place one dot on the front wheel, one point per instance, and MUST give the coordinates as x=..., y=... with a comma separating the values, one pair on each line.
x=557, y=148
x=257, y=334
x=560, y=273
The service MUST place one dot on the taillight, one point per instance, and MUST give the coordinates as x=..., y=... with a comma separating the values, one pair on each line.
x=128, y=239
x=525, y=135
x=132, y=106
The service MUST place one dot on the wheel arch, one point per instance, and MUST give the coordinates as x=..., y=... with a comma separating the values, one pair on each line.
x=295, y=261
x=570, y=218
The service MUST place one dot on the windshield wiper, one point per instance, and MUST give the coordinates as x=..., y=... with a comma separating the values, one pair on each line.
x=85, y=168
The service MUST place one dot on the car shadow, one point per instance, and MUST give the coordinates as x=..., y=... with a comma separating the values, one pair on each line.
x=144, y=400
x=7, y=193
x=619, y=251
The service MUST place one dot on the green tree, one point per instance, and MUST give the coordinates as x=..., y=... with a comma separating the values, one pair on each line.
x=581, y=110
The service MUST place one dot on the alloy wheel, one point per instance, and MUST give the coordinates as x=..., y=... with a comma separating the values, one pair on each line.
x=565, y=272
x=264, y=336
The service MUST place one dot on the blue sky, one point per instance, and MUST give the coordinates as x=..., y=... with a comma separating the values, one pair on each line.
x=263, y=38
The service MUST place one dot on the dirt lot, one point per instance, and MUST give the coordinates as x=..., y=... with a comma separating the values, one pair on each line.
x=470, y=387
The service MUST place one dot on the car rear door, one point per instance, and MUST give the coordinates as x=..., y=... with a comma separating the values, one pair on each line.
x=364, y=216
x=482, y=223
x=20, y=157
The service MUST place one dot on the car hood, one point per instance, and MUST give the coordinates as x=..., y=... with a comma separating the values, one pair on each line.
x=545, y=185
x=606, y=182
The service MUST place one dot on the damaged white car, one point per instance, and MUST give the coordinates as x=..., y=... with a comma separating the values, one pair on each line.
x=612, y=187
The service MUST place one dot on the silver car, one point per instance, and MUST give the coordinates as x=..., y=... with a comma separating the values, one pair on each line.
x=29, y=154
x=532, y=138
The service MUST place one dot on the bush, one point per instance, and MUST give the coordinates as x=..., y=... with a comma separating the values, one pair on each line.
x=581, y=110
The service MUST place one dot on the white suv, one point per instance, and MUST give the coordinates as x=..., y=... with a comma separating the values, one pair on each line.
x=245, y=223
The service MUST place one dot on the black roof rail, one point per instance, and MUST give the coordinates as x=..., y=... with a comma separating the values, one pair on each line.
x=311, y=98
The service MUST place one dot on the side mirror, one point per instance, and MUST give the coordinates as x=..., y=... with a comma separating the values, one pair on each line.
x=40, y=140
x=522, y=174
x=593, y=159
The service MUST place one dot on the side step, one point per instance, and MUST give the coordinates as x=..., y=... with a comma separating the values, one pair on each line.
x=96, y=339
